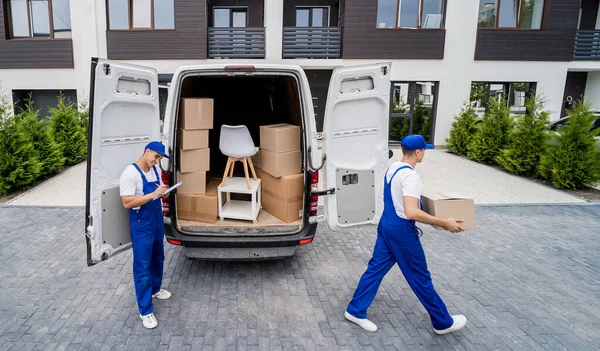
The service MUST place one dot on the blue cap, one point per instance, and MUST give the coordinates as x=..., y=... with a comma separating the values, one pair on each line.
x=158, y=147
x=415, y=142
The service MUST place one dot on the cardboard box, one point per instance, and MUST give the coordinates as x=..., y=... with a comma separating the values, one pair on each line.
x=197, y=160
x=282, y=197
x=196, y=113
x=281, y=164
x=256, y=159
x=280, y=138
x=192, y=139
x=200, y=208
x=449, y=206
x=193, y=183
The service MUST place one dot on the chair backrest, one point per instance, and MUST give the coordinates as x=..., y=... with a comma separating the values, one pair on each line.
x=236, y=141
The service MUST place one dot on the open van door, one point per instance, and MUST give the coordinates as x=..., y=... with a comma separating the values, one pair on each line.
x=124, y=117
x=355, y=144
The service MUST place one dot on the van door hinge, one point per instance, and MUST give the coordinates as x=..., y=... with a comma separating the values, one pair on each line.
x=323, y=192
x=319, y=136
x=106, y=67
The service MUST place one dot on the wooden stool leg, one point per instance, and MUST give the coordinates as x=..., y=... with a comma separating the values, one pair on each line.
x=252, y=167
x=245, y=161
x=226, y=170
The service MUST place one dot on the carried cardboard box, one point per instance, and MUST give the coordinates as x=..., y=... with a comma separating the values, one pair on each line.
x=279, y=138
x=197, y=160
x=282, y=197
x=192, y=139
x=449, y=206
x=196, y=113
x=200, y=208
x=283, y=164
x=193, y=183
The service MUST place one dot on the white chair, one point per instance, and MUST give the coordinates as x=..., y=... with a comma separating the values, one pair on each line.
x=236, y=143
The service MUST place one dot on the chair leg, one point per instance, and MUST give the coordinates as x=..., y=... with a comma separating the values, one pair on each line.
x=252, y=167
x=226, y=170
x=245, y=161
x=232, y=167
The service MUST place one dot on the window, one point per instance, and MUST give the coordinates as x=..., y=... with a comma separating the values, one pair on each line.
x=519, y=14
x=141, y=14
x=236, y=17
x=412, y=109
x=312, y=17
x=515, y=93
x=38, y=19
x=410, y=13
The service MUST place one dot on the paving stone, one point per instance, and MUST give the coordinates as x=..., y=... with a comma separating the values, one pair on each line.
x=527, y=279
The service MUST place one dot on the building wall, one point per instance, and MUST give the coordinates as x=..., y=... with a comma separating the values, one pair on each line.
x=592, y=89
x=454, y=72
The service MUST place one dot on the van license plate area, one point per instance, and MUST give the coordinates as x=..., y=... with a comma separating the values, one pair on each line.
x=355, y=195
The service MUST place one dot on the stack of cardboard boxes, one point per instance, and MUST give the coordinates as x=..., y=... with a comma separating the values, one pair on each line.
x=196, y=200
x=279, y=166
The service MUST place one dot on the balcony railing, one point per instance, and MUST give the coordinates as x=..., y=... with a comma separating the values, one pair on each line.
x=587, y=45
x=236, y=42
x=315, y=43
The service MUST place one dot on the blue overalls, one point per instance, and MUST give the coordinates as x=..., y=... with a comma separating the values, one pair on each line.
x=398, y=242
x=147, y=233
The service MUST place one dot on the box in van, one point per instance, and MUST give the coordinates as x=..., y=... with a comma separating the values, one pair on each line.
x=343, y=164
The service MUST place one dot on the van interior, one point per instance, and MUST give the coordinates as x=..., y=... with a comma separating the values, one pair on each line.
x=253, y=101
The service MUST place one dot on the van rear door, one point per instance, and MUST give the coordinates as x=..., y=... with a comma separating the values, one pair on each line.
x=355, y=143
x=124, y=117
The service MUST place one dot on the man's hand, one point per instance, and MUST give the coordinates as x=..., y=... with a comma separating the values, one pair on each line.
x=452, y=224
x=160, y=191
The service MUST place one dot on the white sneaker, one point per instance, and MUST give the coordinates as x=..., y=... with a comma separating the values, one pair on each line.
x=149, y=321
x=362, y=322
x=162, y=294
x=459, y=322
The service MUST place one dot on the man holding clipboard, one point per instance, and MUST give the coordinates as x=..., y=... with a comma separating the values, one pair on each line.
x=140, y=184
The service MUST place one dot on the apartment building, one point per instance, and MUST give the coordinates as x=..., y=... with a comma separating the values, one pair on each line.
x=441, y=50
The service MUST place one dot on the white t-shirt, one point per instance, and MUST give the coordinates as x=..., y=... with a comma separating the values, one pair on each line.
x=131, y=183
x=407, y=182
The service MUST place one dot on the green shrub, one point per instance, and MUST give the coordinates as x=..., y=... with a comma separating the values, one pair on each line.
x=66, y=130
x=462, y=131
x=19, y=163
x=528, y=141
x=492, y=135
x=48, y=151
x=399, y=128
x=83, y=117
x=572, y=160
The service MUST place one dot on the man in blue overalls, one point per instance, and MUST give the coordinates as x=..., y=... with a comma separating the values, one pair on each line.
x=140, y=188
x=398, y=242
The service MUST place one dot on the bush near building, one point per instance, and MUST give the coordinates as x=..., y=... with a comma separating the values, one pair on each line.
x=572, y=160
x=528, y=141
x=492, y=136
x=463, y=129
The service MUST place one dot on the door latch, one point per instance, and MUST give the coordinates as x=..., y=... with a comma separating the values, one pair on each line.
x=106, y=67
x=323, y=192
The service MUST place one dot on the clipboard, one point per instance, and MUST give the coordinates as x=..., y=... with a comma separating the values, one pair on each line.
x=169, y=190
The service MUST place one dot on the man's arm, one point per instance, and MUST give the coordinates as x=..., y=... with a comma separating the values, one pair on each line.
x=413, y=212
x=133, y=201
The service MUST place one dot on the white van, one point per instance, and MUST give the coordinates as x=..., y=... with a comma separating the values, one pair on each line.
x=352, y=150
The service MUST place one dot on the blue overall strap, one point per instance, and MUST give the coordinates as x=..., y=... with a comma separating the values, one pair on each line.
x=393, y=175
x=157, y=178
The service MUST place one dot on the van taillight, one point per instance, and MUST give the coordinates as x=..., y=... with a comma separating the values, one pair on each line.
x=166, y=202
x=314, y=200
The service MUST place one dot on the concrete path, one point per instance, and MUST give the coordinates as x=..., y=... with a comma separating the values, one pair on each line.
x=449, y=173
x=526, y=279
x=65, y=189
x=439, y=171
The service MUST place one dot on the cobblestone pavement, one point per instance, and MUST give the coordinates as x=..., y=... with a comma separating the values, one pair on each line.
x=527, y=279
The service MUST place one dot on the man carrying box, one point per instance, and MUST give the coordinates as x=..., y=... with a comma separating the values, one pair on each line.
x=398, y=242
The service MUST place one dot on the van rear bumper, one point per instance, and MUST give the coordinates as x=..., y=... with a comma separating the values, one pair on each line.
x=211, y=247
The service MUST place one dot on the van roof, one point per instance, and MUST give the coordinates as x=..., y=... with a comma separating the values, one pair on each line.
x=225, y=65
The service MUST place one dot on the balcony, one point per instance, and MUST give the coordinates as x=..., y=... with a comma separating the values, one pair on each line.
x=312, y=42
x=587, y=45
x=226, y=43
